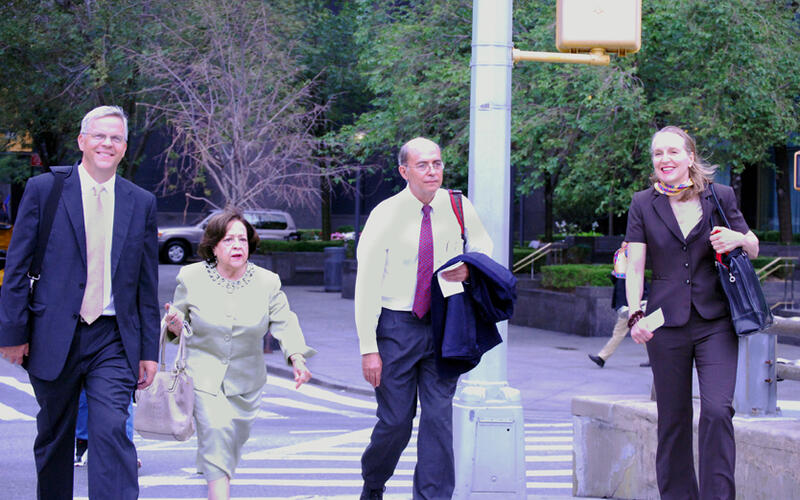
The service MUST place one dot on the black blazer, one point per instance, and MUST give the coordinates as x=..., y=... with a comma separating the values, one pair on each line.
x=683, y=269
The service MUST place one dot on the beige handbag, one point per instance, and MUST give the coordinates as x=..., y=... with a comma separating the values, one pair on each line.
x=165, y=410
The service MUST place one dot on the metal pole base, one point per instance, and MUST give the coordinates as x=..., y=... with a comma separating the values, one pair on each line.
x=487, y=418
x=756, y=392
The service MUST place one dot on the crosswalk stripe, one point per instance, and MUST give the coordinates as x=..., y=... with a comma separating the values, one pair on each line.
x=17, y=384
x=301, y=405
x=539, y=485
x=548, y=458
x=548, y=447
x=9, y=413
x=537, y=425
x=304, y=470
x=155, y=481
x=548, y=473
x=548, y=439
x=319, y=393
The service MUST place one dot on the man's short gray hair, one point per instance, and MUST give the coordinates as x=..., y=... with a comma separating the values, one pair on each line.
x=102, y=111
x=402, y=156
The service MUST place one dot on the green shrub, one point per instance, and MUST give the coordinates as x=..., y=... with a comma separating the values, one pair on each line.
x=309, y=234
x=568, y=276
x=265, y=246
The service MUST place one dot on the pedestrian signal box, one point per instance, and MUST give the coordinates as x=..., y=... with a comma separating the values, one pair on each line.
x=612, y=25
x=797, y=171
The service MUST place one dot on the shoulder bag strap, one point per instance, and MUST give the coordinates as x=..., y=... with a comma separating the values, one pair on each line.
x=458, y=209
x=719, y=207
x=46, y=223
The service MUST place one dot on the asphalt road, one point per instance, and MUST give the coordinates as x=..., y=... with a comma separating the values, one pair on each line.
x=306, y=443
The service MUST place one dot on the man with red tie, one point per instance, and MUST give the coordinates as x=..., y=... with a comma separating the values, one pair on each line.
x=405, y=238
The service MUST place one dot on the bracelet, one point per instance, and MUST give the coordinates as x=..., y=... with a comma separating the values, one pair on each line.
x=635, y=318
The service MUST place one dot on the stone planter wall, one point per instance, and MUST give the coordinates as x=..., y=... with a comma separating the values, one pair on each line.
x=587, y=312
x=294, y=268
x=614, y=443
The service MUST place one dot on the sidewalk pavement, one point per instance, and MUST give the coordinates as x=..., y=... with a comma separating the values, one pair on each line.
x=548, y=367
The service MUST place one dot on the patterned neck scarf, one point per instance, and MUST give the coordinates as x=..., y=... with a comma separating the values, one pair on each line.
x=672, y=190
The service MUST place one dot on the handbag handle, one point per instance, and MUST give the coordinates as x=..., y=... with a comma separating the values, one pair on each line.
x=180, y=357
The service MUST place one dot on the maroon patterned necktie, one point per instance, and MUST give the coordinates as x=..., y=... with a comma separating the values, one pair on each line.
x=422, y=296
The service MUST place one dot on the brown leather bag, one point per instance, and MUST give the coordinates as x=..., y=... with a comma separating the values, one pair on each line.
x=165, y=410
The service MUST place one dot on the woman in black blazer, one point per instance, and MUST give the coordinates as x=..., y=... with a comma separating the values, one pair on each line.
x=671, y=223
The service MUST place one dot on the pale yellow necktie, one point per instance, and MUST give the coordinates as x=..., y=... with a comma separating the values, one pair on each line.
x=92, y=305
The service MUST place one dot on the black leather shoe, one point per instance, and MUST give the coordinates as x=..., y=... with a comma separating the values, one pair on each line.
x=597, y=359
x=81, y=453
x=371, y=494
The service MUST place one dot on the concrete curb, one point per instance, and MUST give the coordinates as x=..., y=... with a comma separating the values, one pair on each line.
x=284, y=371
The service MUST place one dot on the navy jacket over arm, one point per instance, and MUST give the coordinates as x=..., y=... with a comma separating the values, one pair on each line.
x=464, y=324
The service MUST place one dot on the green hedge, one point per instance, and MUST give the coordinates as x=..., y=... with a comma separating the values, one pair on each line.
x=265, y=246
x=568, y=276
x=774, y=236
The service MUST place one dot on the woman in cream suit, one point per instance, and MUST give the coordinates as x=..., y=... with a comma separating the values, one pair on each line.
x=225, y=305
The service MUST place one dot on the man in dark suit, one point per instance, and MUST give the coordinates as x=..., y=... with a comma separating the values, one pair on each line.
x=92, y=321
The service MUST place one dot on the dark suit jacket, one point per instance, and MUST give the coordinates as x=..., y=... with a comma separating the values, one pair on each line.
x=683, y=269
x=464, y=324
x=54, y=310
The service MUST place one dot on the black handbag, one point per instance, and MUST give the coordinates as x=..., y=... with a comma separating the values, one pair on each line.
x=749, y=310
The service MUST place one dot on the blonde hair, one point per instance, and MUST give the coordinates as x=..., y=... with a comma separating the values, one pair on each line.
x=700, y=171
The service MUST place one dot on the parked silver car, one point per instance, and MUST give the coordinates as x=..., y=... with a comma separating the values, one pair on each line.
x=176, y=244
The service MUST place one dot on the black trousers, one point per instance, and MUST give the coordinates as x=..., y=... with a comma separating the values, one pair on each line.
x=96, y=362
x=713, y=346
x=405, y=344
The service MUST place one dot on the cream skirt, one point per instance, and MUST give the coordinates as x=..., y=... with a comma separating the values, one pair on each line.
x=223, y=426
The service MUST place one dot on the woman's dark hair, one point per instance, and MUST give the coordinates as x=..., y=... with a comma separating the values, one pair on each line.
x=216, y=229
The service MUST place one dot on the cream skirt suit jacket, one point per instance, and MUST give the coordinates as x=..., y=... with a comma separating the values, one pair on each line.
x=228, y=321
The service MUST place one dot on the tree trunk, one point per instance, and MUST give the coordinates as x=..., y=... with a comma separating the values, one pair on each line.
x=548, y=207
x=783, y=190
x=325, y=195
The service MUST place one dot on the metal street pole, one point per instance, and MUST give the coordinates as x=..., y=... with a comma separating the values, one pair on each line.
x=487, y=417
x=357, y=222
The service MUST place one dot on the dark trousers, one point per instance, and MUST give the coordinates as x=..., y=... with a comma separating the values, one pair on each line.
x=97, y=363
x=405, y=344
x=713, y=347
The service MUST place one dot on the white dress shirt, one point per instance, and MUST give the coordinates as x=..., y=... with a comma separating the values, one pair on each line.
x=388, y=253
x=107, y=197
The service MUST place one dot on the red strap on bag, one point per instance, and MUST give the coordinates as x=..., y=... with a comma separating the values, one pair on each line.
x=458, y=210
x=719, y=259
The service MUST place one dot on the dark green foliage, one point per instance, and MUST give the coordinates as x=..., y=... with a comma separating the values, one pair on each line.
x=265, y=246
x=568, y=276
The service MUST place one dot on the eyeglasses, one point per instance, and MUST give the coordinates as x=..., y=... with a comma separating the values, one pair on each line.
x=116, y=140
x=422, y=167
x=230, y=240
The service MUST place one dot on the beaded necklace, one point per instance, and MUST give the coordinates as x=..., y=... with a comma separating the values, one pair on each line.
x=230, y=286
